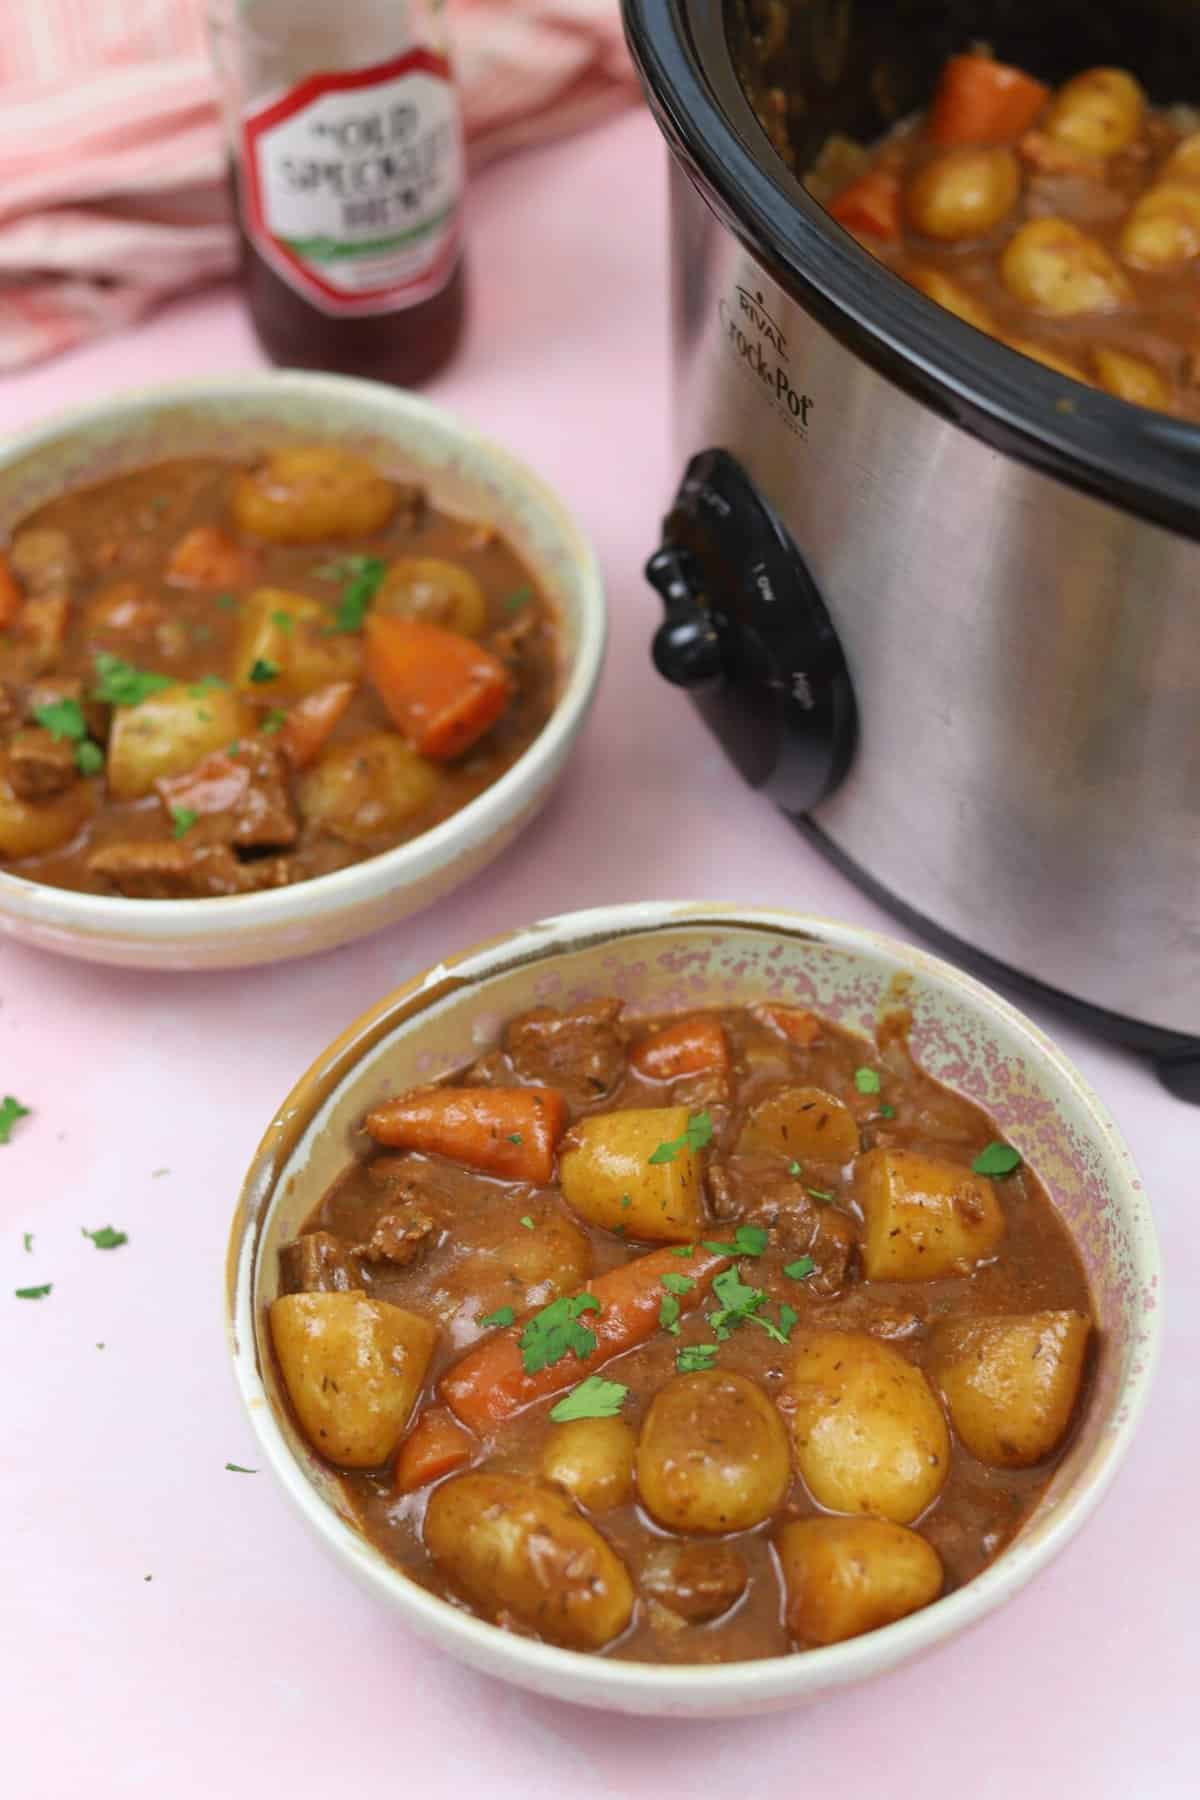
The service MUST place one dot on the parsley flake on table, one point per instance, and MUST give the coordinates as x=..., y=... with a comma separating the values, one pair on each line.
x=273, y=721
x=503, y=1315
x=594, y=1398
x=10, y=1111
x=692, y=1359
x=62, y=719
x=27, y=1240
x=867, y=1081
x=120, y=684
x=996, y=1159
x=800, y=1269
x=668, y=1314
x=748, y=1240
x=696, y=1134
x=262, y=670
x=183, y=818
x=234, y=1469
x=89, y=757
x=107, y=1238
x=34, y=1293
x=555, y=1330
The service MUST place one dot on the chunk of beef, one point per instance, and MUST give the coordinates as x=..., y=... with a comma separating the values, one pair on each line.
x=239, y=797
x=581, y=1052
x=411, y=1183
x=11, y=710
x=399, y=1237
x=697, y=1582
x=44, y=559
x=317, y=1263
x=40, y=765
x=800, y=1225
x=171, y=871
x=41, y=630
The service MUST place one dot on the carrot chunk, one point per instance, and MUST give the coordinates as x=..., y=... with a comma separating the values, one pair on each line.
x=436, y=1444
x=981, y=101
x=870, y=205
x=489, y=1384
x=686, y=1047
x=309, y=723
x=11, y=596
x=511, y=1132
x=792, y=1022
x=207, y=557
x=442, y=690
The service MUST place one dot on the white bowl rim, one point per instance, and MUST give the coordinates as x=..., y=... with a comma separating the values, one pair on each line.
x=568, y=1673
x=167, y=920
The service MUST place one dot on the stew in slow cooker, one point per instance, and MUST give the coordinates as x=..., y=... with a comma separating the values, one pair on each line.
x=1066, y=224
x=691, y=1339
x=217, y=679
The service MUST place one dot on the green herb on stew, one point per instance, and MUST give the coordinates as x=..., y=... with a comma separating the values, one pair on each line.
x=626, y=1200
x=800, y=1269
x=594, y=1398
x=207, y=684
x=787, y=1318
x=527, y=1222
x=997, y=1159
x=62, y=719
x=358, y=593
x=89, y=757
x=748, y=1240
x=503, y=1315
x=184, y=818
x=678, y=1284
x=867, y=1081
x=684, y=1250
x=262, y=671
x=794, y=1169
x=886, y=1111
x=514, y=1137
x=520, y=596
x=555, y=1331
x=106, y=1238
x=742, y=1304
x=34, y=1293
x=691, y=1359
x=120, y=684
x=822, y=1194
x=668, y=1314
x=273, y=721
x=10, y=1111
x=285, y=621
x=696, y=1133
x=234, y=1469
x=227, y=602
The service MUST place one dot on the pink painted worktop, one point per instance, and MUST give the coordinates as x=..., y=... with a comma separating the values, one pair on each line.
x=167, y=1628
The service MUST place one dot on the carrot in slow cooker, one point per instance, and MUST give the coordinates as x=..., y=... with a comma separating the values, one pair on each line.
x=442, y=690
x=792, y=1022
x=688, y=1047
x=10, y=594
x=489, y=1384
x=436, y=1444
x=871, y=204
x=310, y=722
x=981, y=101
x=510, y=1132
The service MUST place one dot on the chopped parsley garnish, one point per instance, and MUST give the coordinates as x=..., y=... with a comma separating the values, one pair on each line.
x=886, y=1111
x=227, y=602
x=33, y=1293
x=365, y=581
x=207, y=684
x=556, y=1330
x=514, y=1137
x=691, y=1359
x=997, y=1159
x=594, y=1398
x=234, y=1469
x=626, y=1200
x=794, y=1169
x=668, y=1314
x=822, y=1194
x=684, y=1250
x=284, y=620
x=520, y=596
x=106, y=1238
x=748, y=1240
x=678, y=1284
x=787, y=1318
x=741, y=1305
x=800, y=1269
x=62, y=719
x=527, y=1222
x=27, y=1240
x=696, y=1133
x=120, y=684
x=89, y=757
x=201, y=632
x=184, y=817
x=274, y=721
x=503, y=1315
x=867, y=1081
x=10, y=1111
x=262, y=671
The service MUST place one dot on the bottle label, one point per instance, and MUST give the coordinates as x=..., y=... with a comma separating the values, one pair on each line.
x=352, y=184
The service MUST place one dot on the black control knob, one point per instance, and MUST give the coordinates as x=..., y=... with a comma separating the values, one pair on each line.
x=747, y=634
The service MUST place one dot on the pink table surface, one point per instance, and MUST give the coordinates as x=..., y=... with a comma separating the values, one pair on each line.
x=169, y=1629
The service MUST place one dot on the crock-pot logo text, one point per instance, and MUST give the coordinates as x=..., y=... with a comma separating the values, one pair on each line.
x=758, y=340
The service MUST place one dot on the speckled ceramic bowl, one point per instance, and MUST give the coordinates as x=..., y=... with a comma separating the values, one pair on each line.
x=465, y=474
x=657, y=957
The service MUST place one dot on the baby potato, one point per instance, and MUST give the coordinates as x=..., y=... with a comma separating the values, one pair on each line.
x=805, y=1123
x=169, y=732
x=593, y=1460
x=925, y=1217
x=367, y=790
x=31, y=828
x=1131, y=378
x=1052, y=266
x=524, y=1269
x=1097, y=113
x=514, y=1546
x=951, y=294
x=1049, y=359
x=439, y=592
x=963, y=193
x=607, y=1177
x=713, y=1454
x=1183, y=164
x=306, y=495
x=869, y=1435
x=286, y=650
x=44, y=559
x=1011, y=1382
x=353, y=1368
x=1163, y=229
x=846, y=1576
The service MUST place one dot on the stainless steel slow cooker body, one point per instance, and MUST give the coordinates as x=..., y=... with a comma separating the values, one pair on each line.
x=1007, y=560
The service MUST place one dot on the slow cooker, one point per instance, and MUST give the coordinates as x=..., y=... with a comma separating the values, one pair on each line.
x=940, y=603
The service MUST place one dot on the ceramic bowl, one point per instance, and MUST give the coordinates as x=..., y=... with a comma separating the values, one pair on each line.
x=659, y=957
x=465, y=474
